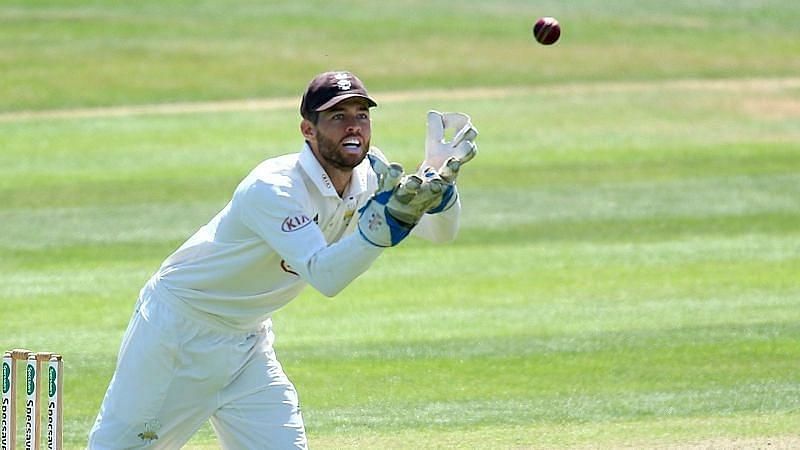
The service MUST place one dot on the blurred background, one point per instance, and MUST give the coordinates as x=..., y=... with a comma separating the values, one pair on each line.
x=626, y=273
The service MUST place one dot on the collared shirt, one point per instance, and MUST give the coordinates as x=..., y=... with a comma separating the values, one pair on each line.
x=285, y=226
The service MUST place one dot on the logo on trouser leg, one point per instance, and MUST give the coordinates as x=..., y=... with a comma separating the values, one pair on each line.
x=150, y=432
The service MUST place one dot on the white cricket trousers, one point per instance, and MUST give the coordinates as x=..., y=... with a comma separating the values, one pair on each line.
x=175, y=371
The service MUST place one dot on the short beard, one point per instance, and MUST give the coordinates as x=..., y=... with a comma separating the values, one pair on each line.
x=329, y=151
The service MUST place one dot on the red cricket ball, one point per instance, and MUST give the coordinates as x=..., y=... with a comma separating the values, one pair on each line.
x=546, y=30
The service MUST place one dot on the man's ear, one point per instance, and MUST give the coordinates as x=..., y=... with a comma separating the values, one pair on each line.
x=308, y=130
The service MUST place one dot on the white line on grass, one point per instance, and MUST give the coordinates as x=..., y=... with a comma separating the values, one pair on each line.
x=268, y=104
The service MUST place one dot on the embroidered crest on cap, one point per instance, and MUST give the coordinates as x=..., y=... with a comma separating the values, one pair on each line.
x=343, y=81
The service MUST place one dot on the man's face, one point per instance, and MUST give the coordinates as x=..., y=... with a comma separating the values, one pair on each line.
x=341, y=137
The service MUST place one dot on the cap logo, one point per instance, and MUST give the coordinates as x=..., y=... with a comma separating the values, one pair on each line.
x=343, y=81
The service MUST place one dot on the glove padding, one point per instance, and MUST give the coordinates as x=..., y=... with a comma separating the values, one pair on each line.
x=443, y=159
x=375, y=223
x=415, y=196
x=447, y=157
x=448, y=195
x=398, y=203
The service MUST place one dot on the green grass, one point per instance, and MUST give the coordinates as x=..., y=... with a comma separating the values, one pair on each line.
x=626, y=274
x=58, y=53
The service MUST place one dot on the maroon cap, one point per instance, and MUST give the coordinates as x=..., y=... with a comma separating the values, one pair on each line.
x=329, y=88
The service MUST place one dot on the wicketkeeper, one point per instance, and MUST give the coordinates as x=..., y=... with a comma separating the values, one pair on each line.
x=199, y=344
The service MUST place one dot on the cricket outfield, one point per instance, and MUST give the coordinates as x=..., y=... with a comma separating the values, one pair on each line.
x=626, y=275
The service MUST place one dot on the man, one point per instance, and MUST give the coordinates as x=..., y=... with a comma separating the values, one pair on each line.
x=199, y=345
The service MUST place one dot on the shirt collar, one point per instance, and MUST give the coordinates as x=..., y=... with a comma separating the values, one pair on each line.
x=312, y=167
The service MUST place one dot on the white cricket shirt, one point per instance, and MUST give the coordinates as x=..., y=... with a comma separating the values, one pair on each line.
x=285, y=227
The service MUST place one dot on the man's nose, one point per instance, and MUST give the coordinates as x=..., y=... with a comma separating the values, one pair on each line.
x=352, y=125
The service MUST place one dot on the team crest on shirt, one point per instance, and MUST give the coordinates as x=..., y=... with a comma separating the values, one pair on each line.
x=294, y=223
x=150, y=432
x=287, y=268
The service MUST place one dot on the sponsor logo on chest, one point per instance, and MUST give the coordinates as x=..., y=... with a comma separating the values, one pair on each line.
x=294, y=223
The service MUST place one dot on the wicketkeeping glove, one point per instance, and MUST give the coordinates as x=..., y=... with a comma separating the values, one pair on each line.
x=375, y=223
x=398, y=203
x=443, y=159
x=415, y=196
